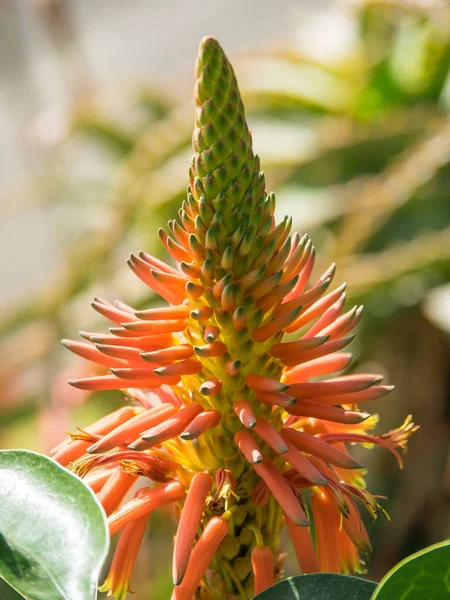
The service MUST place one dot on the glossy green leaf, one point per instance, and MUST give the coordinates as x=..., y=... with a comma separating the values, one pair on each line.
x=53, y=535
x=422, y=576
x=319, y=586
x=8, y=593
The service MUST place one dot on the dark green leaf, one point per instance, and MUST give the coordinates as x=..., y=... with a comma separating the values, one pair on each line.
x=320, y=586
x=422, y=576
x=8, y=593
x=53, y=535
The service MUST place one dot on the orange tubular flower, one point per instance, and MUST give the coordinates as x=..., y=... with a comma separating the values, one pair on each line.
x=228, y=419
x=262, y=563
x=189, y=522
x=117, y=583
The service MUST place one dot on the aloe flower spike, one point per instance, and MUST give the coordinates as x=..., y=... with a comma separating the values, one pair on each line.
x=228, y=419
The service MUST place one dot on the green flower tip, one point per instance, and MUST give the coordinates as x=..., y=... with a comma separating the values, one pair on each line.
x=224, y=171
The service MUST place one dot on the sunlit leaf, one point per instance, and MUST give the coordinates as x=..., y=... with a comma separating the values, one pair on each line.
x=422, y=576
x=53, y=536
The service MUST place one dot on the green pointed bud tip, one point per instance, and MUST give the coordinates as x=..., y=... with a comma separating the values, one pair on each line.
x=224, y=167
x=227, y=258
x=212, y=64
x=200, y=225
x=211, y=240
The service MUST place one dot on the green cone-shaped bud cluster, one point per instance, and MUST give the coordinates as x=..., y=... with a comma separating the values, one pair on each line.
x=227, y=189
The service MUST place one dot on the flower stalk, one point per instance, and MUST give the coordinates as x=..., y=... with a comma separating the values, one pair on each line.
x=238, y=427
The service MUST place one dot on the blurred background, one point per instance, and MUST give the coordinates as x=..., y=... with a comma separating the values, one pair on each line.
x=349, y=106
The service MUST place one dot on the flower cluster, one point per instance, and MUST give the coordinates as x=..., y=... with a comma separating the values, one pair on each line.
x=240, y=429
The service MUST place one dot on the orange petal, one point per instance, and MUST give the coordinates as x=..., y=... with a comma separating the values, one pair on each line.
x=194, y=290
x=352, y=324
x=131, y=429
x=304, y=276
x=155, y=327
x=232, y=367
x=299, y=265
x=156, y=465
x=97, y=479
x=275, y=297
x=257, y=382
x=252, y=277
x=211, y=333
x=283, y=350
x=202, y=554
x=354, y=527
x=302, y=465
x=191, y=366
x=189, y=522
x=275, y=326
x=145, y=503
x=248, y=446
x=91, y=353
x=358, y=438
x=316, y=410
x=346, y=384
x=202, y=313
x=374, y=392
x=278, y=260
x=313, y=445
x=244, y=412
x=201, y=423
x=328, y=317
x=173, y=353
x=212, y=387
x=176, y=251
x=341, y=324
x=220, y=286
x=126, y=353
x=111, y=382
x=156, y=263
x=275, y=398
x=150, y=342
x=326, y=526
x=319, y=366
x=181, y=235
x=304, y=299
x=166, y=313
x=266, y=286
x=171, y=427
x=111, y=312
x=114, y=490
x=71, y=451
x=303, y=547
x=239, y=318
x=213, y=350
x=300, y=252
x=227, y=298
x=263, y=568
x=322, y=350
x=317, y=289
x=142, y=269
x=190, y=269
x=135, y=373
x=117, y=583
x=282, y=491
x=317, y=309
x=175, y=281
x=270, y=435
